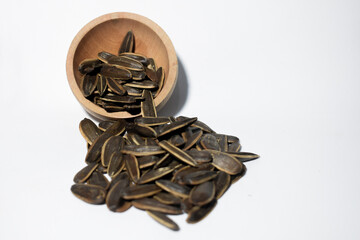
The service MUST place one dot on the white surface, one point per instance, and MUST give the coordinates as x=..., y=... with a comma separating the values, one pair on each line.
x=283, y=76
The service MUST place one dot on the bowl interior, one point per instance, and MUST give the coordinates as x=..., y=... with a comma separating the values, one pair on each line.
x=107, y=36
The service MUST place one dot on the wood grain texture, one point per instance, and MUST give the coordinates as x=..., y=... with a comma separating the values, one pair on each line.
x=106, y=33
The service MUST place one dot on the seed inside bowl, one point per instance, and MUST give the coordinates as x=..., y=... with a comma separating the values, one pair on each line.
x=118, y=82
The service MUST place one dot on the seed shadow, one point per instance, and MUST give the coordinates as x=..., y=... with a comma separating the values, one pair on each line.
x=179, y=96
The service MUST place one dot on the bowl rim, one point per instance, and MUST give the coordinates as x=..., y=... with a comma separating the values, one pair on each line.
x=97, y=111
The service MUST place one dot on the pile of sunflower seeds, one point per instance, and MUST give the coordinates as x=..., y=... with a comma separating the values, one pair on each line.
x=163, y=165
x=116, y=82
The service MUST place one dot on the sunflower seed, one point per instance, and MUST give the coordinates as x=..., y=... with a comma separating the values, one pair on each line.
x=111, y=145
x=232, y=139
x=167, y=198
x=138, y=75
x=163, y=220
x=101, y=169
x=202, y=194
x=119, y=99
x=133, y=91
x=135, y=139
x=222, y=183
x=151, y=73
x=89, y=193
x=89, y=65
x=175, y=164
x=103, y=125
x=118, y=81
x=174, y=188
x=146, y=84
x=147, y=106
x=115, y=87
x=152, y=121
x=192, y=139
x=136, y=56
x=176, y=140
x=150, y=142
x=186, y=134
x=176, y=126
x=85, y=173
x=151, y=64
x=198, y=213
x=104, y=56
x=202, y=126
x=160, y=76
x=128, y=43
x=132, y=166
x=113, y=108
x=98, y=179
x=122, y=177
x=88, y=84
x=125, y=62
x=141, y=191
x=181, y=172
x=244, y=156
x=200, y=156
x=237, y=177
x=184, y=171
x=142, y=130
x=116, y=164
x=89, y=130
x=94, y=152
x=178, y=153
x=186, y=205
x=142, y=150
x=163, y=161
x=223, y=142
x=101, y=84
x=155, y=174
x=154, y=205
x=147, y=161
x=198, y=177
x=209, y=141
x=114, y=199
x=227, y=163
x=234, y=147
x=115, y=72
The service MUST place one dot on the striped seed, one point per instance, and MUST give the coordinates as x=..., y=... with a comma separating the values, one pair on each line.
x=202, y=194
x=147, y=106
x=85, y=173
x=89, y=130
x=154, y=205
x=227, y=163
x=141, y=191
x=92, y=194
x=198, y=213
x=128, y=43
x=163, y=220
x=174, y=188
x=111, y=145
x=132, y=166
x=178, y=153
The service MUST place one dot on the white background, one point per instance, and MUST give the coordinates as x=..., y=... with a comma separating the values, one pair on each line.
x=281, y=75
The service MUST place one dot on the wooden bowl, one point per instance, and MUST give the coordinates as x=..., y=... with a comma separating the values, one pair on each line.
x=106, y=33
